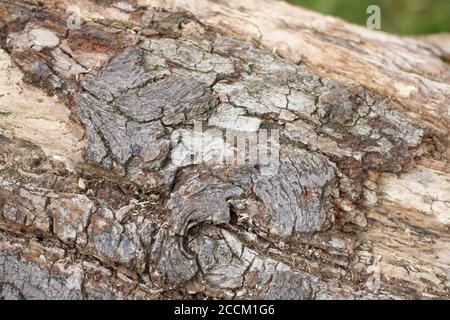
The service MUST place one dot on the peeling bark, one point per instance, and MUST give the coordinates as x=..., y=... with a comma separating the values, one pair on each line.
x=99, y=198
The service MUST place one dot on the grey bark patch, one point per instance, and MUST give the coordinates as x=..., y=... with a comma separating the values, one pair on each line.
x=230, y=269
x=286, y=285
x=95, y=148
x=27, y=208
x=111, y=125
x=170, y=263
x=123, y=137
x=38, y=72
x=109, y=238
x=293, y=196
x=70, y=217
x=10, y=292
x=200, y=199
x=166, y=98
x=147, y=140
x=123, y=106
x=34, y=282
x=222, y=268
x=125, y=72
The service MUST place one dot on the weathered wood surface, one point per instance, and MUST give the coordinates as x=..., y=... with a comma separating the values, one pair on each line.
x=97, y=196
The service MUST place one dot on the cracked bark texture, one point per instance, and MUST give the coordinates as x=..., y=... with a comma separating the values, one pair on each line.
x=99, y=199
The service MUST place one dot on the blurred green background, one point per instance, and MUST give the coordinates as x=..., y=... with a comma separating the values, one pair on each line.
x=397, y=16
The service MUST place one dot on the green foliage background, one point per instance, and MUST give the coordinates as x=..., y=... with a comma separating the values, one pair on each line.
x=397, y=16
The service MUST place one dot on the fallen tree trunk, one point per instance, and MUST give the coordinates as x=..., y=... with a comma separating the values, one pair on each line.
x=104, y=195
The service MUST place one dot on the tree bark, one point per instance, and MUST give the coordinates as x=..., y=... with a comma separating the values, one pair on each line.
x=102, y=196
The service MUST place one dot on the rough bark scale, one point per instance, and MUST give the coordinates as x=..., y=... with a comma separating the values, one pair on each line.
x=97, y=195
